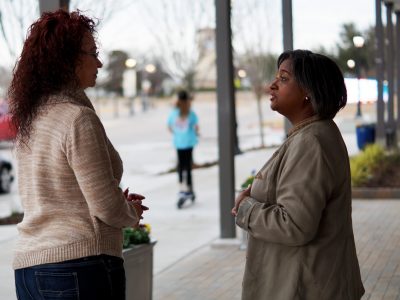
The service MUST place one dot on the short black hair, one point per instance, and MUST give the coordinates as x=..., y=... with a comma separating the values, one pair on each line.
x=321, y=78
x=183, y=95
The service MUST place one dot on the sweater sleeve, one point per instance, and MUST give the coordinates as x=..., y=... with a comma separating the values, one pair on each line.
x=87, y=154
x=303, y=187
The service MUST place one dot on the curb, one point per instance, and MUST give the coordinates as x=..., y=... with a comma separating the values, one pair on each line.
x=376, y=193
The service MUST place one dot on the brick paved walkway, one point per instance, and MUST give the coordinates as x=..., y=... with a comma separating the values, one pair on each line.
x=211, y=273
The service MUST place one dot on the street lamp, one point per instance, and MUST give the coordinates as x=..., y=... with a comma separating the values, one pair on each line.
x=146, y=84
x=358, y=42
x=130, y=63
x=130, y=82
x=242, y=73
x=150, y=68
x=351, y=63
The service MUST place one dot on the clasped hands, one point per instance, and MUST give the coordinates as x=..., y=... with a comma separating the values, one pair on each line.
x=136, y=200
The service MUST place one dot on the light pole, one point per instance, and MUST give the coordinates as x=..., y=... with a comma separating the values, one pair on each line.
x=380, y=71
x=147, y=84
x=287, y=27
x=389, y=41
x=397, y=13
x=130, y=82
x=358, y=42
x=351, y=64
x=226, y=117
x=53, y=5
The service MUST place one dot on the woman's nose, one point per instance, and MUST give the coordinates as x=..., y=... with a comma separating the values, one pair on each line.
x=269, y=87
x=99, y=64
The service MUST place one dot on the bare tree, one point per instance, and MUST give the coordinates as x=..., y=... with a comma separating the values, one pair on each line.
x=260, y=69
x=17, y=15
x=174, y=25
x=115, y=69
x=251, y=23
x=103, y=10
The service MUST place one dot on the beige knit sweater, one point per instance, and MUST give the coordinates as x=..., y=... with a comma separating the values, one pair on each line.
x=69, y=179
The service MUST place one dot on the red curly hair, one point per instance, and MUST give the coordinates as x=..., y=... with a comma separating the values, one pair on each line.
x=46, y=66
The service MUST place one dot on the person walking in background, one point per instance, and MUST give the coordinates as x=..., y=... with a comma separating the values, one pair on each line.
x=183, y=124
x=298, y=209
x=70, y=239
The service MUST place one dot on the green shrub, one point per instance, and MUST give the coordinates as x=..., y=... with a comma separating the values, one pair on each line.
x=135, y=236
x=363, y=165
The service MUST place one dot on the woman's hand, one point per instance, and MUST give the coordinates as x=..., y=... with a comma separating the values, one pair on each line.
x=243, y=194
x=132, y=196
x=136, y=201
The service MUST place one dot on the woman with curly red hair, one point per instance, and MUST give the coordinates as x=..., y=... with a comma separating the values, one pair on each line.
x=70, y=240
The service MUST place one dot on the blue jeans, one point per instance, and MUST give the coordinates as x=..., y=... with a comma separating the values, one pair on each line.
x=99, y=277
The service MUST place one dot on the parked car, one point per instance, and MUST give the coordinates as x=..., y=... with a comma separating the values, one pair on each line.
x=6, y=131
x=6, y=134
x=6, y=176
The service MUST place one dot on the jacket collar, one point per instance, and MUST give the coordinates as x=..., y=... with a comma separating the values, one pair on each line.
x=303, y=124
x=71, y=95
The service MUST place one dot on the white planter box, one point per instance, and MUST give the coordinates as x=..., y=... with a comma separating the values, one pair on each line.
x=139, y=271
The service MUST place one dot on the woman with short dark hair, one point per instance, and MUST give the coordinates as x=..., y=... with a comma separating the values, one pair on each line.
x=298, y=209
x=321, y=77
x=70, y=240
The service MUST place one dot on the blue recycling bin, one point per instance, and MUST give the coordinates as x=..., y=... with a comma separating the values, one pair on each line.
x=365, y=135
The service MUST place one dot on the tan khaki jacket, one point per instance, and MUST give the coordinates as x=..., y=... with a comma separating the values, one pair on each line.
x=301, y=243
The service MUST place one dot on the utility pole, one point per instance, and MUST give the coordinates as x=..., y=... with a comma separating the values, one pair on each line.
x=287, y=37
x=226, y=118
x=397, y=59
x=390, y=130
x=379, y=62
x=53, y=5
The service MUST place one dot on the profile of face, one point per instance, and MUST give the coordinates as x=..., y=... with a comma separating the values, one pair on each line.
x=86, y=70
x=286, y=96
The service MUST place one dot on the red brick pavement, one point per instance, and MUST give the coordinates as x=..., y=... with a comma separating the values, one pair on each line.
x=216, y=273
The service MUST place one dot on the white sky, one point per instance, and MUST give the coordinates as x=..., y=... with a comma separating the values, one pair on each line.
x=315, y=23
x=318, y=22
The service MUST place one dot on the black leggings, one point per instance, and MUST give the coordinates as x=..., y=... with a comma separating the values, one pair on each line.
x=185, y=165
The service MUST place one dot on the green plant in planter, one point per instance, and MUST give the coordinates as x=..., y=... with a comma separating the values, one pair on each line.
x=363, y=165
x=249, y=180
x=136, y=236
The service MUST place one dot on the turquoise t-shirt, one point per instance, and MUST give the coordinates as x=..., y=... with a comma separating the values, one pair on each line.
x=184, y=130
